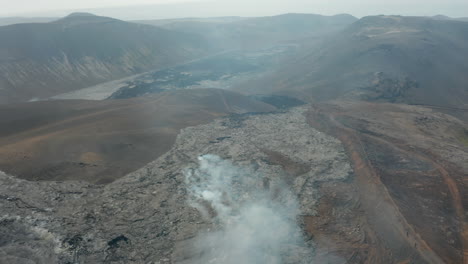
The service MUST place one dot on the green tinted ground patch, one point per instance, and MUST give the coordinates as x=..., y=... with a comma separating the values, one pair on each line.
x=463, y=137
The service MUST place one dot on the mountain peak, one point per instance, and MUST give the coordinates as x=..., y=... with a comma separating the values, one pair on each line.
x=80, y=14
x=441, y=17
x=81, y=17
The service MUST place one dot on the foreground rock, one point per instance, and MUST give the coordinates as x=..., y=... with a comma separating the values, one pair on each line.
x=146, y=216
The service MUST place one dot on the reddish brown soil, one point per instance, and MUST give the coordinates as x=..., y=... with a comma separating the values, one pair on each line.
x=409, y=195
x=100, y=141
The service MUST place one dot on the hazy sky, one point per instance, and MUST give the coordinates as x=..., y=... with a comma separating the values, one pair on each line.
x=146, y=9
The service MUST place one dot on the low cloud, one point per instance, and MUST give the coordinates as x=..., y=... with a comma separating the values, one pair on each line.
x=255, y=217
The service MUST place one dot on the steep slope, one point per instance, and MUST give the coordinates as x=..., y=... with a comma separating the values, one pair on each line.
x=100, y=141
x=389, y=58
x=259, y=31
x=44, y=59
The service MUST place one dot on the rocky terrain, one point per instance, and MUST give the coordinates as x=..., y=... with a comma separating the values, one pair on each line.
x=374, y=195
x=223, y=70
x=146, y=217
x=410, y=166
x=100, y=141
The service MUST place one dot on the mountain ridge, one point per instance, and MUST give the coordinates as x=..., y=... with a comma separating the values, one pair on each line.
x=416, y=60
x=42, y=60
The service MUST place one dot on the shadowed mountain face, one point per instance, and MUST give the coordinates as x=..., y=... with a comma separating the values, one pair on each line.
x=388, y=58
x=249, y=33
x=100, y=141
x=44, y=59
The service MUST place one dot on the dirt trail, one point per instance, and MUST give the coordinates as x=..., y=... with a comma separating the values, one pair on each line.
x=382, y=211
x=458, y=204
x=452, y=186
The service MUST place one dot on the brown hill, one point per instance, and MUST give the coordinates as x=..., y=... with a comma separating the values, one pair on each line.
x=100, y=141
x=44, y=59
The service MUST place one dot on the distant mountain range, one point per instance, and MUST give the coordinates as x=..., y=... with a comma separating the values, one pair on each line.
x=388, y=58
x=420, y=60
x=442, y=17
x=237, y=32
x=40, y=60
x=43, y=59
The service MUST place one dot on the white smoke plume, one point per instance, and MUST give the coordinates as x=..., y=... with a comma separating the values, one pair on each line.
x=255, y=216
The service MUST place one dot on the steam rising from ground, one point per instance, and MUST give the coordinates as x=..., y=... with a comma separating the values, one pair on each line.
x=255, y=216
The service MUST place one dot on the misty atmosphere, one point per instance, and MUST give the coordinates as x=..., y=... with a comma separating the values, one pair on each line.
x=233, y=132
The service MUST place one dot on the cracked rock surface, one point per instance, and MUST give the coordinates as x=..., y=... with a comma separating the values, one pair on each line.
x=145, y=217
